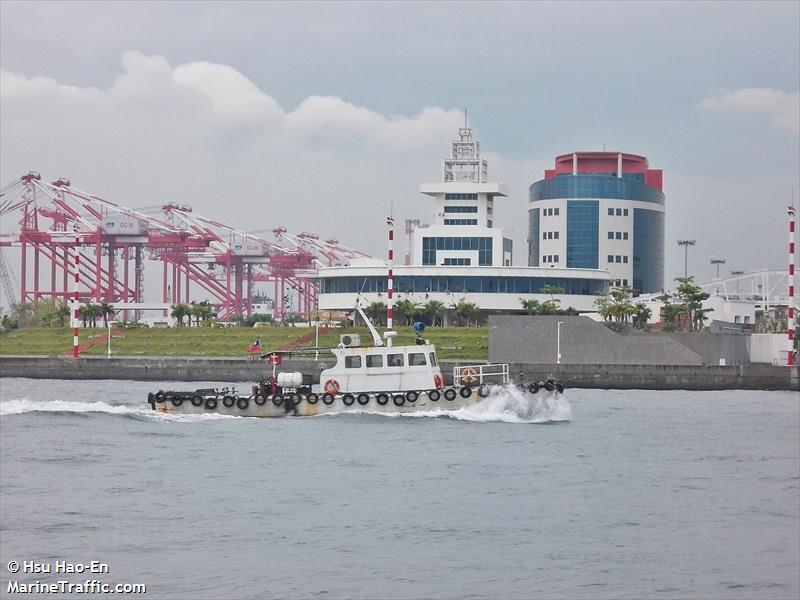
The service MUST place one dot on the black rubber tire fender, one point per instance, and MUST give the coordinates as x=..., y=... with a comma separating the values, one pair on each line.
x=348, y=399
x=363, y=399
x=465, y=392
x=328, y=399
x=160, y=396
x=151, y=398
x=560, y=387
x=550, y=385
x=228, y=401
x=295, y=399
x=434, y=395
x=242, y=403
x=382, y=399
x=177, y=401
x=484, y=391
x=399, y=399
x=450, y=394
x=411, y=396
x=197, y=400
x=277, y=399
x=211, y=403
x=533, y=388
x=312, y=398
x=260, y=399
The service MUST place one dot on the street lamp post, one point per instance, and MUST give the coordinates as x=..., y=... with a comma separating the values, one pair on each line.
x=686, y=244
x=558, y=342
x=718, y=262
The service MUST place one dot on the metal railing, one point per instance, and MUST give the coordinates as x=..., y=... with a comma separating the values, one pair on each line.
x=495, y=374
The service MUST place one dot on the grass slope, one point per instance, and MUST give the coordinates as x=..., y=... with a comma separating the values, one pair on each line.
x=451, y=342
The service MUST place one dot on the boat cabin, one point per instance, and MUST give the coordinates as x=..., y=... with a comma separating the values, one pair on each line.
x=383, y=369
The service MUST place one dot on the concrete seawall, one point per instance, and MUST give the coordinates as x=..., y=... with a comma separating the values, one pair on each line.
x=234, y=370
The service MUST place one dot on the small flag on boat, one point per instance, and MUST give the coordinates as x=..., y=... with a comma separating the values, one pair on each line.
x=791, y=210
x=390, y=220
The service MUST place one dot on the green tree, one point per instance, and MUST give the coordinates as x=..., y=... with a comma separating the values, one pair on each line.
x=465, y=312
x=641, y=314
x=692, y=298
x=551, y=289
x=408, y=308
x=376, y=312
x=106, y=310
x=178, y=312
x=9, y=323
x=530, y=307
x=22, y=313
x=434, y=310
x=63, y=313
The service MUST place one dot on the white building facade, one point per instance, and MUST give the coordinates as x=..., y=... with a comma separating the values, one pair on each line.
x=462, y=255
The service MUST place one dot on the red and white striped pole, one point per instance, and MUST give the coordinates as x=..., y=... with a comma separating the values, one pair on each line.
x=389, y=280
x=790, y=301
x=76, y=300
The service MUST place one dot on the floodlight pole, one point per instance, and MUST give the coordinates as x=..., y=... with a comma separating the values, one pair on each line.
x=686, y=244
x=718, y=262
x=558, y=342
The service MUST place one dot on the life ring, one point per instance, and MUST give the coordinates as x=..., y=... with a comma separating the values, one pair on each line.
x=177, y=401
x=260, y=400
x=363, y=399
x=348, y=399
x=399, y=400
x=211, y=403
x=465, y=392
x=312, y=398
x=228, y=401
x=197, y=401
x=328, y=399
x=412, y=396
x=382, y=399
x=242, y=403
x=450, y=394
x=434, y=395
x=469, y=375
x=331, y=387
x=438, y=382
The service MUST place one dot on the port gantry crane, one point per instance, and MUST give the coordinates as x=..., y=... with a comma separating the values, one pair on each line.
x=55, y=220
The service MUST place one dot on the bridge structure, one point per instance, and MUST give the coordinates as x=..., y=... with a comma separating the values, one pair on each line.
x=49, y=223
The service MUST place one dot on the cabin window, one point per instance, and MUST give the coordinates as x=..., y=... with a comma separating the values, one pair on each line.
x=352, y=362
x=394, y=360
x=374, y=360
x=433, y=359
x=416, y=359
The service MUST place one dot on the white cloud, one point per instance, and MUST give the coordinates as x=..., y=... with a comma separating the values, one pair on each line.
x=782, y=107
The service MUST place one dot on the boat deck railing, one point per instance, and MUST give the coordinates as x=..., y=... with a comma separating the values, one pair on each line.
x=494, y=374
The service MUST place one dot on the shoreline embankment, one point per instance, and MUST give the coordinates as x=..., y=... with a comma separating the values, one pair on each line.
x=237, y=370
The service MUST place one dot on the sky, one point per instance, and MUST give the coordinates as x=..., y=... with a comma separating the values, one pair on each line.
x=321, y=117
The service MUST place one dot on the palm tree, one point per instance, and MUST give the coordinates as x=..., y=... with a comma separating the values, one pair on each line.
x=375, y=311
x=63, y=313
x=465, y=311
x=83, y=313
x=641, y=315
x=531, y=307
x=435, y=310
x=178, y=312
x=408, y=309
x=551, y=289
x=205, y=312
x=106, y=310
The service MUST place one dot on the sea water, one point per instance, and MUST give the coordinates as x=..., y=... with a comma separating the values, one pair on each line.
x=597, y=494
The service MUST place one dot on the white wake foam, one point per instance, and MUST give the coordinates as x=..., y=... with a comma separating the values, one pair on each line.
x=25, y=405
x=511, y=405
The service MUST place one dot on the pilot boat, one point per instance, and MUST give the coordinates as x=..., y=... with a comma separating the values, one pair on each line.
x=383, y=378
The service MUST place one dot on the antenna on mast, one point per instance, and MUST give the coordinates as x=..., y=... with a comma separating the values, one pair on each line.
x=465, y=117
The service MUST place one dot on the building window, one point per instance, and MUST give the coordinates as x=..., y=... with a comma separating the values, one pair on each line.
x=625, y=212
x=461, y=196
x=611, y=258
x=555, y=258
x=610, y=212
x=611, y=235
x=489, y=224
x=624, y=235
x=460, y=209
x=625, y=259
x=461, y=221
x=483, y=245
x=582, y=234
x=374, y=360
x=457, y=262
x=619, y=212
x=352, y=362
x=555, y=235
x=416, y=359
x=625, y=282
x=618, y=235
x=544, y=235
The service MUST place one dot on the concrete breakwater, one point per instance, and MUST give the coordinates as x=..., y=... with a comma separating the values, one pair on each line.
x=236, y=370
